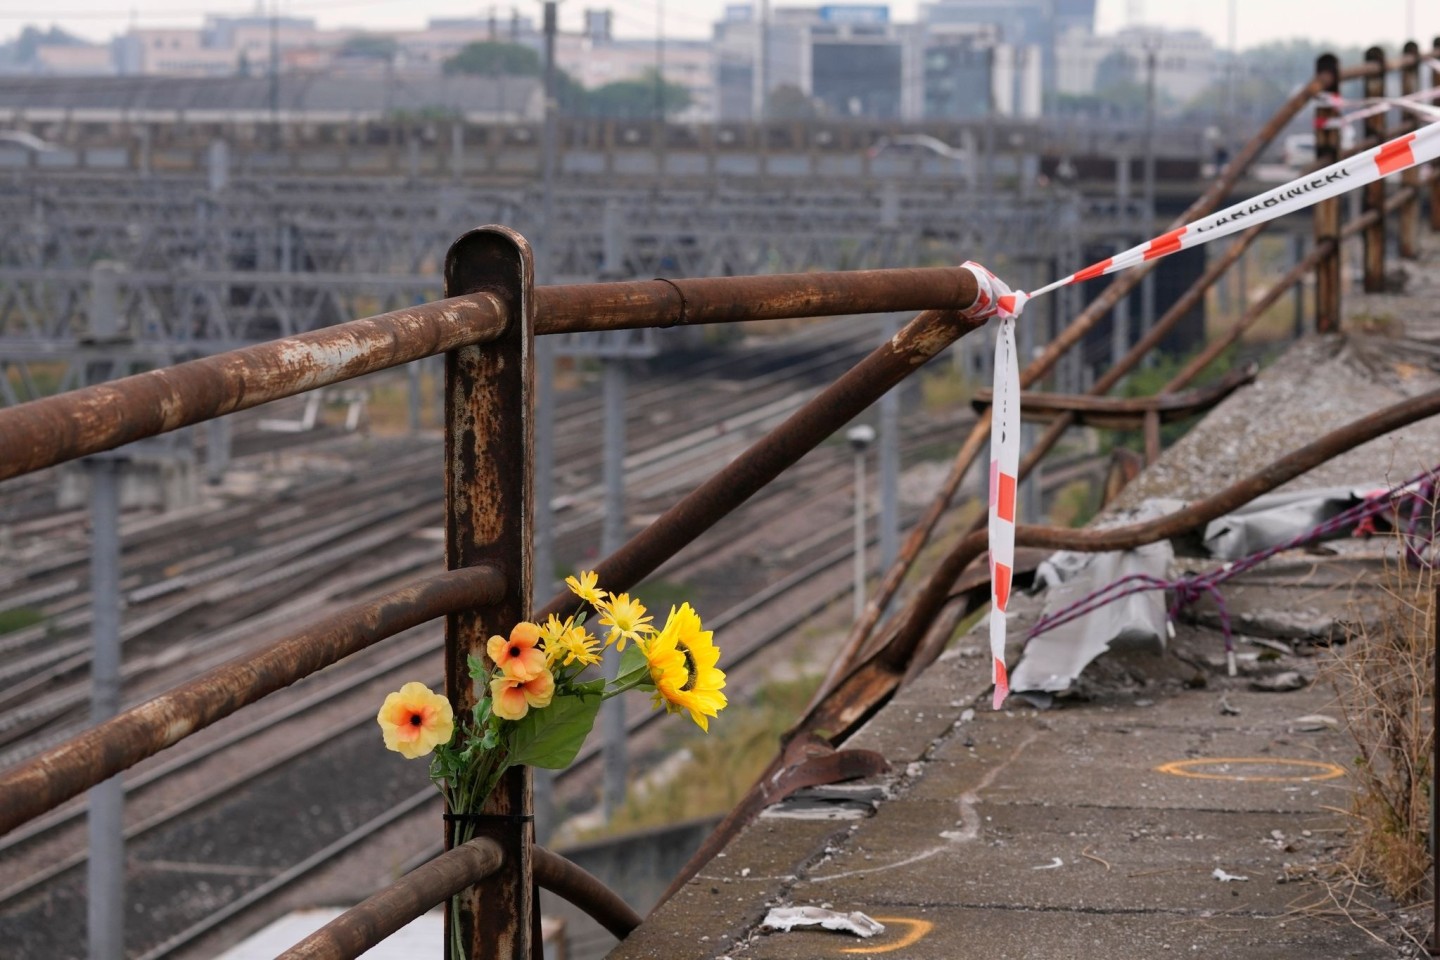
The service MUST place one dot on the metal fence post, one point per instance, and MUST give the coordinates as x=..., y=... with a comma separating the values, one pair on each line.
x=1435, y=180
x=105, y=868
x=1410, y=213
x=1373, y=196
x=612, y=537
x=489, y=508
x=1326, y=217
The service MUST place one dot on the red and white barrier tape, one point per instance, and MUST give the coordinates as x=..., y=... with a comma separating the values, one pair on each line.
x=996, y=299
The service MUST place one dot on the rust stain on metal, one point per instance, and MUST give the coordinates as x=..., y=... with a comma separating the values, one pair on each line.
x=488, y=492
x=52, y=430
x=67, y=770
x=581, y=888
x=672, y=302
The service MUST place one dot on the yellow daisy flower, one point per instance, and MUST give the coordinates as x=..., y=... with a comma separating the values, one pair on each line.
x=585, y=587
x=415, y=720
x=682, y=660
x=568, y=642
x=626, y=620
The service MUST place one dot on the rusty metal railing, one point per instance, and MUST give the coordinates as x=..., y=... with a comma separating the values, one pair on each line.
x=486, y=328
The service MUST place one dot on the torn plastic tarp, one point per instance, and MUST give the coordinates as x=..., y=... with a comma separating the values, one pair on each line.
x=788, y=918
x=1277, y=517
x=1054, y=659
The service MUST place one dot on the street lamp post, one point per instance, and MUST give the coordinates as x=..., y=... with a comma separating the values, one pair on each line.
x=860, y=437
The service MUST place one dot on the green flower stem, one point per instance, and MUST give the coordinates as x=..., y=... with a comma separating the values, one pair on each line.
x=629, y=682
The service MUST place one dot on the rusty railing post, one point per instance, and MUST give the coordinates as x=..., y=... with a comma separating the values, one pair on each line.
x=1373, y=196
x=488, y=496
x=1326, y=217
x=1410, y=213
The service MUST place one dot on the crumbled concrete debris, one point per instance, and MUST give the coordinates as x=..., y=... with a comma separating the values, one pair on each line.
x=1315, y=722
x=782, y=919
x=1279, y=682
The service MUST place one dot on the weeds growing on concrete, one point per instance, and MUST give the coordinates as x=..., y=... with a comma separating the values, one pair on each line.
x=1384, y=677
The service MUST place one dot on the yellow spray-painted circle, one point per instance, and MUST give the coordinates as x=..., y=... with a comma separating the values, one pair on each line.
x=1319, y=769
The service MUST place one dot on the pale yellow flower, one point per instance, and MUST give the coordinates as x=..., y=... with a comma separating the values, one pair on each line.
x=568, y=643
x=585, y=587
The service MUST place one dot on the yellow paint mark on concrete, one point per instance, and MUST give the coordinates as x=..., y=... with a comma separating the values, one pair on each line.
x=1188, y=768
x=915, y=929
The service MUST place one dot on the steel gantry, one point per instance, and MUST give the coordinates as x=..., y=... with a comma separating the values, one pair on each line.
x=201, y=265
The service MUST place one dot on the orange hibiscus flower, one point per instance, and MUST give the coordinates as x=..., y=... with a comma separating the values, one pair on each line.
x=513, y=697
x=415, y=721
x=519, y=658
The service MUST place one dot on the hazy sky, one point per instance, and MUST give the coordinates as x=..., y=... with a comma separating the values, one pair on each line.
x=1352, y=22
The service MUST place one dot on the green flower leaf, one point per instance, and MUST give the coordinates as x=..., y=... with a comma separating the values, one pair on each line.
x=590, y=688
x=476, y=667
x=552, y=736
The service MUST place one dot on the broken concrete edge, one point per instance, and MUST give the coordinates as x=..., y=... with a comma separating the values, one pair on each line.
x=727, y=902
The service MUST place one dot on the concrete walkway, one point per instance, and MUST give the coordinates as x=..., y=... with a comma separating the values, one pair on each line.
x=1091, y=830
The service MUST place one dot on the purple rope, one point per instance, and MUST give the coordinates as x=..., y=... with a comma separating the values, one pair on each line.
x=1188, y=590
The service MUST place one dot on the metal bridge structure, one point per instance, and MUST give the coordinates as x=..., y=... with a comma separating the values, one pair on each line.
x=487, y=327
x=164, y=269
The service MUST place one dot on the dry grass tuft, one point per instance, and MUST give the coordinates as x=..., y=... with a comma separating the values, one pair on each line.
x=1385, y=681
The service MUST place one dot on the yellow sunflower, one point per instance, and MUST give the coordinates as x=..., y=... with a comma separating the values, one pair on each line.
x=682, y=660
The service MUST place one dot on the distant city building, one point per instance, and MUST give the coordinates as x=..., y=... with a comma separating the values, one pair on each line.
x=72, y=60
x=1186, y=61
x=957, y=73
x=848, y=59
x=1025, y=34
x=963, y=58
x=291, y=99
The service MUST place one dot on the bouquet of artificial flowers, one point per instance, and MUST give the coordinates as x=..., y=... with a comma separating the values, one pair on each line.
x=537, y=706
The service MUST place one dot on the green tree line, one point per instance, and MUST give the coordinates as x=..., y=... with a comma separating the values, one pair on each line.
x=635, y=99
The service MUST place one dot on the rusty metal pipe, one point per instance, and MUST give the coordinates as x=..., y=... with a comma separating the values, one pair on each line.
x=581, y=888
x=52, y=430
x=1379, y=67
x=55, y=429
x=806, y=428
x=932, y=598
x=1123, y=413
x=382, y=914
x=102, y=751
x=669, y=303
